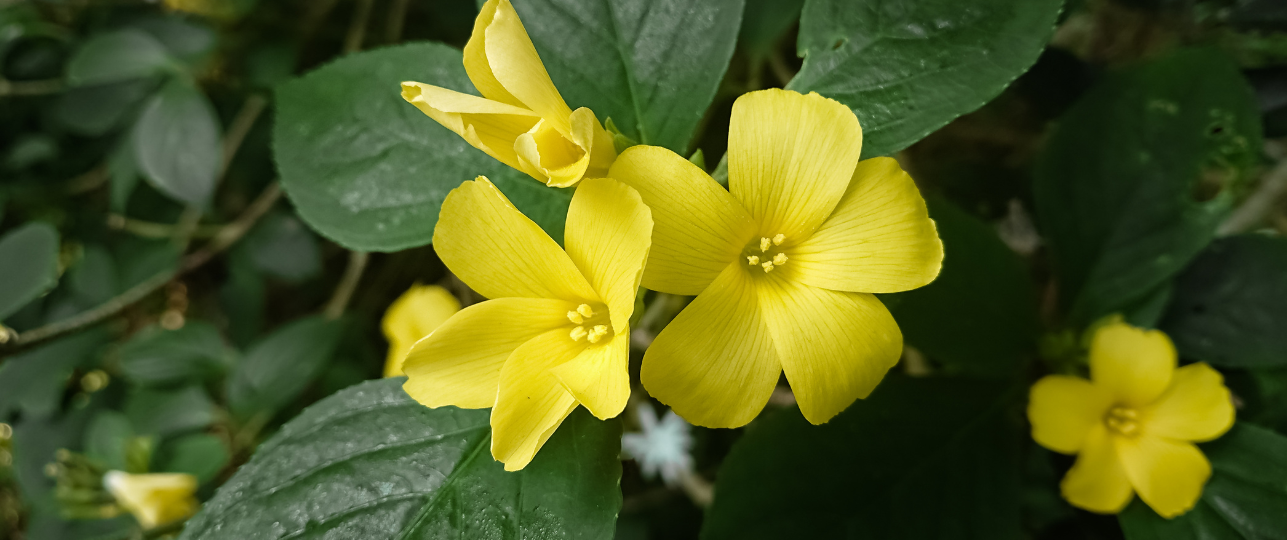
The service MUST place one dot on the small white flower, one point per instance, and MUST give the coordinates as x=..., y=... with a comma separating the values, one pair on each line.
x=661, y=446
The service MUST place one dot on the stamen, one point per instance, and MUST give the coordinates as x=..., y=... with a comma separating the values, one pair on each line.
x=777, y=240
x=575, y=317
x=578, y=333
x=597, y=333
x=764, y=244
x=585, y=311
x=753, y=260
x=780, y=259
x=768, y=267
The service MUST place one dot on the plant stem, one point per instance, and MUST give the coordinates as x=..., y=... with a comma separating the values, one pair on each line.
x=397, y=19
x=348, y=284
x=29, y=88
x=1258, y=207
x=357, y=29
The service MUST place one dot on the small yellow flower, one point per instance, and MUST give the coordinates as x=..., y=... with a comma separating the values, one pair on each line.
x=555, y=332
x=521, y=120
x=414, y=315
x=1133, y=424
x=154, y=499
x=782, y=264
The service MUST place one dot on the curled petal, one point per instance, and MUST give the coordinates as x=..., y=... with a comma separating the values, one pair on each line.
x=607, y=236
x=531, y=403
x=490, y=126
x=413, y=316
x=599, y=377
x=1097, y=481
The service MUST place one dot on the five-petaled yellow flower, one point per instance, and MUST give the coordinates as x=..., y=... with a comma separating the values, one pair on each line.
x=521, y=119
x=782, y=264
x=413, y=316
x=155, y=499
x=1133, y=424
x=555, y=332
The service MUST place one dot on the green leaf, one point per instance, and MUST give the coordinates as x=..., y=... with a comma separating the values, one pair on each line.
x=652, y=66
x=95, y=110
x=276, y=370
x=156, y=356
x=107, y=439
x=920, y=458
x=200, y=454
x=124, y=171
x=1244, y=499
x=980, y=315
x=369, y=171
x=908, y=68
x=281, y=246
x=117, y=56
x=28, y=265
x=33, y=381
x=1230, y=304
x=93, y=280
x=183, y=37
x=1138, y=173
x=139, y=260
x=763, y=24
x=167, y=412
x=177, y=143
x=371, y=463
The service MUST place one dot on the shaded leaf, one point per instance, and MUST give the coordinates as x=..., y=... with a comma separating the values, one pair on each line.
x=276, y=370
x=166, y=412
x=28, y=265
x=33, y=381
x=156, y=356
x=282, y=246
x=117, y=56
x=200, y=454
x=177, y=143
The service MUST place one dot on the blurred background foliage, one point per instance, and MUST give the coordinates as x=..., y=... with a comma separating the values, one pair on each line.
x=166, y=308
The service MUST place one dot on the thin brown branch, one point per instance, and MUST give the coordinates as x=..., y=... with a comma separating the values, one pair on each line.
x=236, y=134
x=1258, y=207
x=347, y=285
x=396, y=21
x=357, y=29
x=30, y=88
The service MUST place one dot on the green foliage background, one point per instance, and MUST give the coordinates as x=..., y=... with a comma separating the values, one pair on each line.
x=206, y=206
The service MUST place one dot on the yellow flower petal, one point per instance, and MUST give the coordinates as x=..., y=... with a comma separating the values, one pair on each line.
x=1168, y=475
x=154, y=499
x=516, y=66
x=413, y=316
x=607, y=236
x=531, y=403
x=476, y=66
x=880, y=238
x=490, y=126
x=1064, y=410
x=715, y=364
x=1133, y=364
x=790, y=158
x=698, y=228
x=460, y=363
x=1197, y=406
x=1097, y=481
x=497, y=251
x=599, y=377
x=835, y=347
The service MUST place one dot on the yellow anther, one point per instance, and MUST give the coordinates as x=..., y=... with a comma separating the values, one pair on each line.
x=777, y=240
x=1123, y=420
x=753, y=260
x=780, y=259
x=578, y=333
x=597, y=333
x=585, y=311
x=575, y=317
x=768, y=267
x=765, y=243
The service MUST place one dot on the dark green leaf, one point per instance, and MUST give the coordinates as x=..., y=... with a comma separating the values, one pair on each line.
x=276, y=370
x=980, y=315
x=201, y=455
x=908, y=68
x=1138, y=173
x=34, y=380
x=651, y=65
x=764, y=22
x=1230, y=305
x=117, y=56
x=156, y=356
x=184, y=38
x=177, y=143
x=95, y=110
x=1244, y=499
x=28, y=265
x=281, y=246
x=107, y=440
x=124, y=171
x=920, y=458
x=139, y=260
x=167, y=412
x=242, y=298
x=93, y=280
x=368, y=170
x=371, y=463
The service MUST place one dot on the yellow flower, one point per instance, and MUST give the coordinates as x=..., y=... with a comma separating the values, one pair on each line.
x=555, y=332
x=154, y=499
x=782, y=264
x=521, y=119
x=413, y=316
x=1133, y=424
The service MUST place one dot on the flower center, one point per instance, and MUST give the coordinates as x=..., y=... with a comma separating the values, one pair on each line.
x=765, y=254
x=589, y=323
x=1123, y=421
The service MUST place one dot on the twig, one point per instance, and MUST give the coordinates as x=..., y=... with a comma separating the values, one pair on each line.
x=698, y=489
x=236, y=134
x=1258, y=207
x=154, y=230
x=357, y=29
x=228, y=236
x=397, y=19
x=348, y=284
x=29, y=88
x=88, y=180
